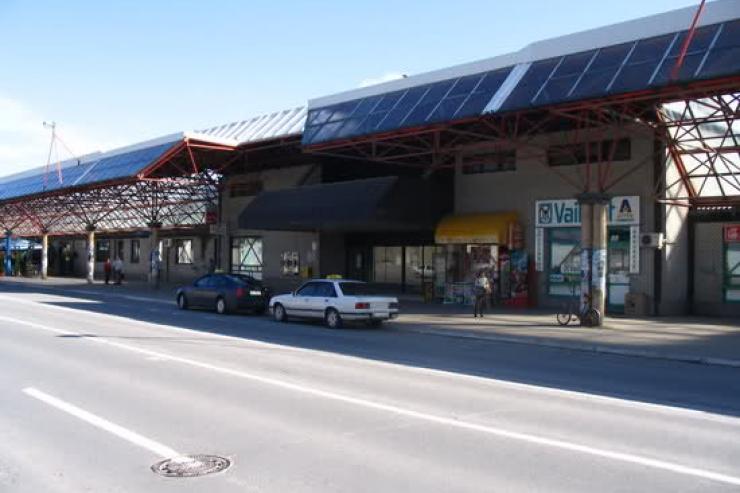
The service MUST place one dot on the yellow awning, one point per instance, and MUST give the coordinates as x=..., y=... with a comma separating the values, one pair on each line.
x=475, y=228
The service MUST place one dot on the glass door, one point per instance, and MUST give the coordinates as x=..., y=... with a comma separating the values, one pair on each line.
x=618, y=262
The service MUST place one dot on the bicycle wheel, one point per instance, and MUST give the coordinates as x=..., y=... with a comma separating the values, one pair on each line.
x=591, y=318
x=564, y=317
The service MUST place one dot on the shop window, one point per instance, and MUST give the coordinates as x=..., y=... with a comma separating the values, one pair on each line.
x=589, y=152
x=565, y=261
x=135, y=251
x=488, y=161
x=102, y=250
x=245, y=189
x=119, y=249
x=387, y=265
x=246, y=256
x=184, y=252
x=732, y=272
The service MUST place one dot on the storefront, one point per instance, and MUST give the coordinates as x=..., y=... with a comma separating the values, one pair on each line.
x=469, y=245
x=731, y=267
x=558, y=251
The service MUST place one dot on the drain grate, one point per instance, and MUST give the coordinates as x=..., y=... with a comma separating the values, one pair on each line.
x=188, y=466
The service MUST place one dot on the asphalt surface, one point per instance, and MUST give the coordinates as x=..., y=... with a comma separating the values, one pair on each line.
x=95, y=389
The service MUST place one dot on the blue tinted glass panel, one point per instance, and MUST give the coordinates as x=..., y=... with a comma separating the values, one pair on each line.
x=465, y=85
x=389, y=101
x=556, y=90
x=651, y=49
x=633, y=78
x=343, y=110
x=730, y=36
x=474, y=105
x=447, y=108
x=725, y=61
x=700, y=42
x=686, y=72
x=404, y=106
x=573, y=64
x=427, y=104
x=600, y=73
x=366, y=106
x=537, y=74
x=610, y=57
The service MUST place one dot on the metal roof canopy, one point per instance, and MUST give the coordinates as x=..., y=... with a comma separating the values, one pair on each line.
x=615, y=81
x=171, y=181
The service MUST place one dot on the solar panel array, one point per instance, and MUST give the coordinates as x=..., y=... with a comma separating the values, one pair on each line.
x=102, y=169
x=644, y=64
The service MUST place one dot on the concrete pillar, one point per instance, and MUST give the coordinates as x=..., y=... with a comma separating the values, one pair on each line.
x=594, y=215
x=44, y=255
x=8, y=253
x=90, y=253
x=155, y=262
x=598, y=262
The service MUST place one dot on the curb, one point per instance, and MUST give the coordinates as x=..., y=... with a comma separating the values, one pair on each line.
x=592, y=348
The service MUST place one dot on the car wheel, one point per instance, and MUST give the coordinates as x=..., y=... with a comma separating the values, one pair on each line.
x=278, y=312
x=182, y=302
x=333, y=319
x=221, y=307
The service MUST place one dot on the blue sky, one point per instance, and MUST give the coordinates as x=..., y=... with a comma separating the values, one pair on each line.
x=113, y=73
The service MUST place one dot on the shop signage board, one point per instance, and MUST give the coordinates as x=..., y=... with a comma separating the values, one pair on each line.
x=732, y=233
x=561, y=213
x=539, y=249
x=634, y=249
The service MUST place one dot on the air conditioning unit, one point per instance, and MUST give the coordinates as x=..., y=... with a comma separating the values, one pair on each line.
x=167, y=242
x=651, y=240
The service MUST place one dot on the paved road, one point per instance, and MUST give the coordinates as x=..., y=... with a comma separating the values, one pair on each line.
x=94, y=389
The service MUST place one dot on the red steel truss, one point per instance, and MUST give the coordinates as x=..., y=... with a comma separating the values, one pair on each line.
x=179, y=190
x=695, y=124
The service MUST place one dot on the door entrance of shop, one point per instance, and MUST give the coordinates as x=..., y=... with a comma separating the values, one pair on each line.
x=359, y=261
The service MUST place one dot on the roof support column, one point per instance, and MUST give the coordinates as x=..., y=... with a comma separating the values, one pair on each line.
x=90, y=253
x=155, y=260
x=44, y=254
x=594, y=212
x=8, y=253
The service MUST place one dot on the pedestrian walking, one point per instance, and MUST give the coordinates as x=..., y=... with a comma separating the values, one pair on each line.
x=118, y=270
x=107, y=268
x=482, y=292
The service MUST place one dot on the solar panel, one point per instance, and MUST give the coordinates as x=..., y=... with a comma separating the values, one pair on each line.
x=123, y=165
x=445, y=100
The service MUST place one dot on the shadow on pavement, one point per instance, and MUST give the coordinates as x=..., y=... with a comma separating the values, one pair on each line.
x=692, y=386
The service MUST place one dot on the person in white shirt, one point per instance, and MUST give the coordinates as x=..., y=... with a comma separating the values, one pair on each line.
x=118, y=270
x=482, y=291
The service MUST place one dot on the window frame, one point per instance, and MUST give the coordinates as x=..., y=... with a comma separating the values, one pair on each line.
x=180, y=249
x=239, y=265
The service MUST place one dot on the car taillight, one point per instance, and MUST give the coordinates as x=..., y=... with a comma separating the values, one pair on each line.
x=362, y=306
x=239, y=292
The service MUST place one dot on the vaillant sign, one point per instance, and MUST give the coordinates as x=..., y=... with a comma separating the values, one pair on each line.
x=623, y=210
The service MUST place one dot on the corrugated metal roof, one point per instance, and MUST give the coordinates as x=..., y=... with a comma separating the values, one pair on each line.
x=276, y=125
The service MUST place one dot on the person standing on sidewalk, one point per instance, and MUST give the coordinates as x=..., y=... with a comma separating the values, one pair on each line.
x=107, y=267
x=118, y=270
x=482, y=292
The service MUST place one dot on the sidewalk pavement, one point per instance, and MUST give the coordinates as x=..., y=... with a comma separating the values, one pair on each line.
x=702, y=340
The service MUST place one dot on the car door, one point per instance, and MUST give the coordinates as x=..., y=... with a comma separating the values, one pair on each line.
x=323, y=297
x=197, y=295
x=215, y=287
x=299, y=304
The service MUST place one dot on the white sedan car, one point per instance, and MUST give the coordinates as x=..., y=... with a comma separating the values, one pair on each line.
x=334, y=301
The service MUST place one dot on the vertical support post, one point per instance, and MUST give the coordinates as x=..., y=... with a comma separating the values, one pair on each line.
x=594, y=216
x=155, y=261
x=44, y=254
x=586, y=250
x=598, y=256
x=90, y=253
x=8, y=253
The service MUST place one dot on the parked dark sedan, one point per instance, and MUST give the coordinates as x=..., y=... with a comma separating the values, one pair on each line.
x=224, y=293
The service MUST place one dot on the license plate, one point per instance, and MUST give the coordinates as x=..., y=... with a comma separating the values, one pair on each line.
x=255, y=293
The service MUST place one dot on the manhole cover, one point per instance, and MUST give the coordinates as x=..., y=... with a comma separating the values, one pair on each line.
x=188, y=466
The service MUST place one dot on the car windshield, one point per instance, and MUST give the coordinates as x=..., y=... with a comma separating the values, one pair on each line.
x=358, y=289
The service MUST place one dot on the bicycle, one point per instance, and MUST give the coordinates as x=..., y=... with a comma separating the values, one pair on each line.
x=588, y=316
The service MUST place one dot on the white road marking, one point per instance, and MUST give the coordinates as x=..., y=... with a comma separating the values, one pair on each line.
x=90, y=418
x=428, y=417
x=491, y=382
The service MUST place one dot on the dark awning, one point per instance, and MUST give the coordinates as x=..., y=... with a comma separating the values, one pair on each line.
x=377, y=204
